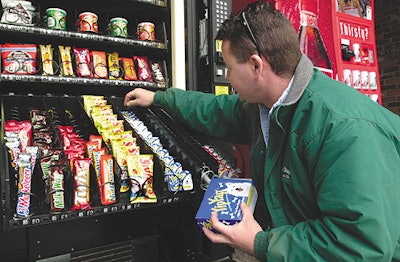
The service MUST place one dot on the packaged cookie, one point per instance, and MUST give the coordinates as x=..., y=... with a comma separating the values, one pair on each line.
x=99, y=62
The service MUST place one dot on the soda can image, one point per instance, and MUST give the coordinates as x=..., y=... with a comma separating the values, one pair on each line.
x=356, y=79
x=364, y=80
x=347, y=77
x=372, y=80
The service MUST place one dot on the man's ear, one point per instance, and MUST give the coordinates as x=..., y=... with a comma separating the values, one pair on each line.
x=256, y=62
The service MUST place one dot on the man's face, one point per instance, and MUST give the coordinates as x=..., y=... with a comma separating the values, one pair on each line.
x=239, y=75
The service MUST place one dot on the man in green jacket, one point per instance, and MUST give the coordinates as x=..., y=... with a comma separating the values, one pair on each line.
x=324, y=157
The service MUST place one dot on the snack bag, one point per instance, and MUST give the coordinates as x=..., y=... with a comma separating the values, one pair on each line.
x=81, y=171
x=140, y=170
x=114, y=69
x=18, y=59
x=129, y=68
x=157, y=73
x=46, y=53
x=142, y=66
x=66, y=68
x=82, y=59
x=99, y=64
x=107, y=184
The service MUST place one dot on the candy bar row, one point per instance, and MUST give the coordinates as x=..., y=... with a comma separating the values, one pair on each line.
x=26, y=59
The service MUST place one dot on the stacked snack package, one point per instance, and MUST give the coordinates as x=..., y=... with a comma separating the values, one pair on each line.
x=140, y=169
x=123, y=146
x=66, y=68
x=104, y=168
x=107, y=187
x=51, y=159
x=18, y=139
x=74, y=149
x=176, y=177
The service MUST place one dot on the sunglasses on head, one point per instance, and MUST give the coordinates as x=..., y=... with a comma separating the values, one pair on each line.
x=249, y=31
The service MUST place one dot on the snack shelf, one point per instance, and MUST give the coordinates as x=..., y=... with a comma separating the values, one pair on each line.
x=77, y=81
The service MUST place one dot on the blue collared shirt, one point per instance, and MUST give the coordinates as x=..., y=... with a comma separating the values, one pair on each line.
x=265, y=112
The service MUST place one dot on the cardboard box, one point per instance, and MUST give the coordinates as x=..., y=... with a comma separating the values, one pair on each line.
x=224, y=196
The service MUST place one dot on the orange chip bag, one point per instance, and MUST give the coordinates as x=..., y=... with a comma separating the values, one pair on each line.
x=129, y=68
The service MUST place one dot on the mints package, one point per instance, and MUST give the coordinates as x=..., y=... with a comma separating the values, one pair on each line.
x=224, y=196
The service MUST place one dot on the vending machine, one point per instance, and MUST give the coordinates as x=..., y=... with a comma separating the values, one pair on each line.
x=56, y=204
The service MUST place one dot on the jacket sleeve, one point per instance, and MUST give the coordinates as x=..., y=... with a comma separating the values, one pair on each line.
x=356, y=182
x=219, y=116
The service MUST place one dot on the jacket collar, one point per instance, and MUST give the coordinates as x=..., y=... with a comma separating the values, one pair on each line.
x=302, y=77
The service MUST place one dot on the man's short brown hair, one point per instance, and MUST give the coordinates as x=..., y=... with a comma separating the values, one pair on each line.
x=273, y=32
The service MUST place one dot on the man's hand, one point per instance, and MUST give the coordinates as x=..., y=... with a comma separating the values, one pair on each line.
x=240, y=235
x=139, y=97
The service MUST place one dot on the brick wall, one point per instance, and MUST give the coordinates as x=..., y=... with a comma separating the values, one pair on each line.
x=387, y=30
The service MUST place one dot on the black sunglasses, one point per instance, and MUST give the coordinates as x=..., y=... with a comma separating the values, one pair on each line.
x=250, y=32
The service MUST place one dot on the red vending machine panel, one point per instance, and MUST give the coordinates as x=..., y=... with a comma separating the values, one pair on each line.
x=354, y=35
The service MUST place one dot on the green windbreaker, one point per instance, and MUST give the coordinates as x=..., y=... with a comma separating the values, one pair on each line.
x=330, y=175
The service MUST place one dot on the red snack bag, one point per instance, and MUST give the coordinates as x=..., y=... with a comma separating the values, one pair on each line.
x=18, y=59
x=21, y=130
x=107, y=187
x=82, y=59
x=65, y=129
x=142, y=66
x=97, y=139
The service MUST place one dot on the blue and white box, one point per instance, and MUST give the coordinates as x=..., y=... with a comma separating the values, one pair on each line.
x=224, y=196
